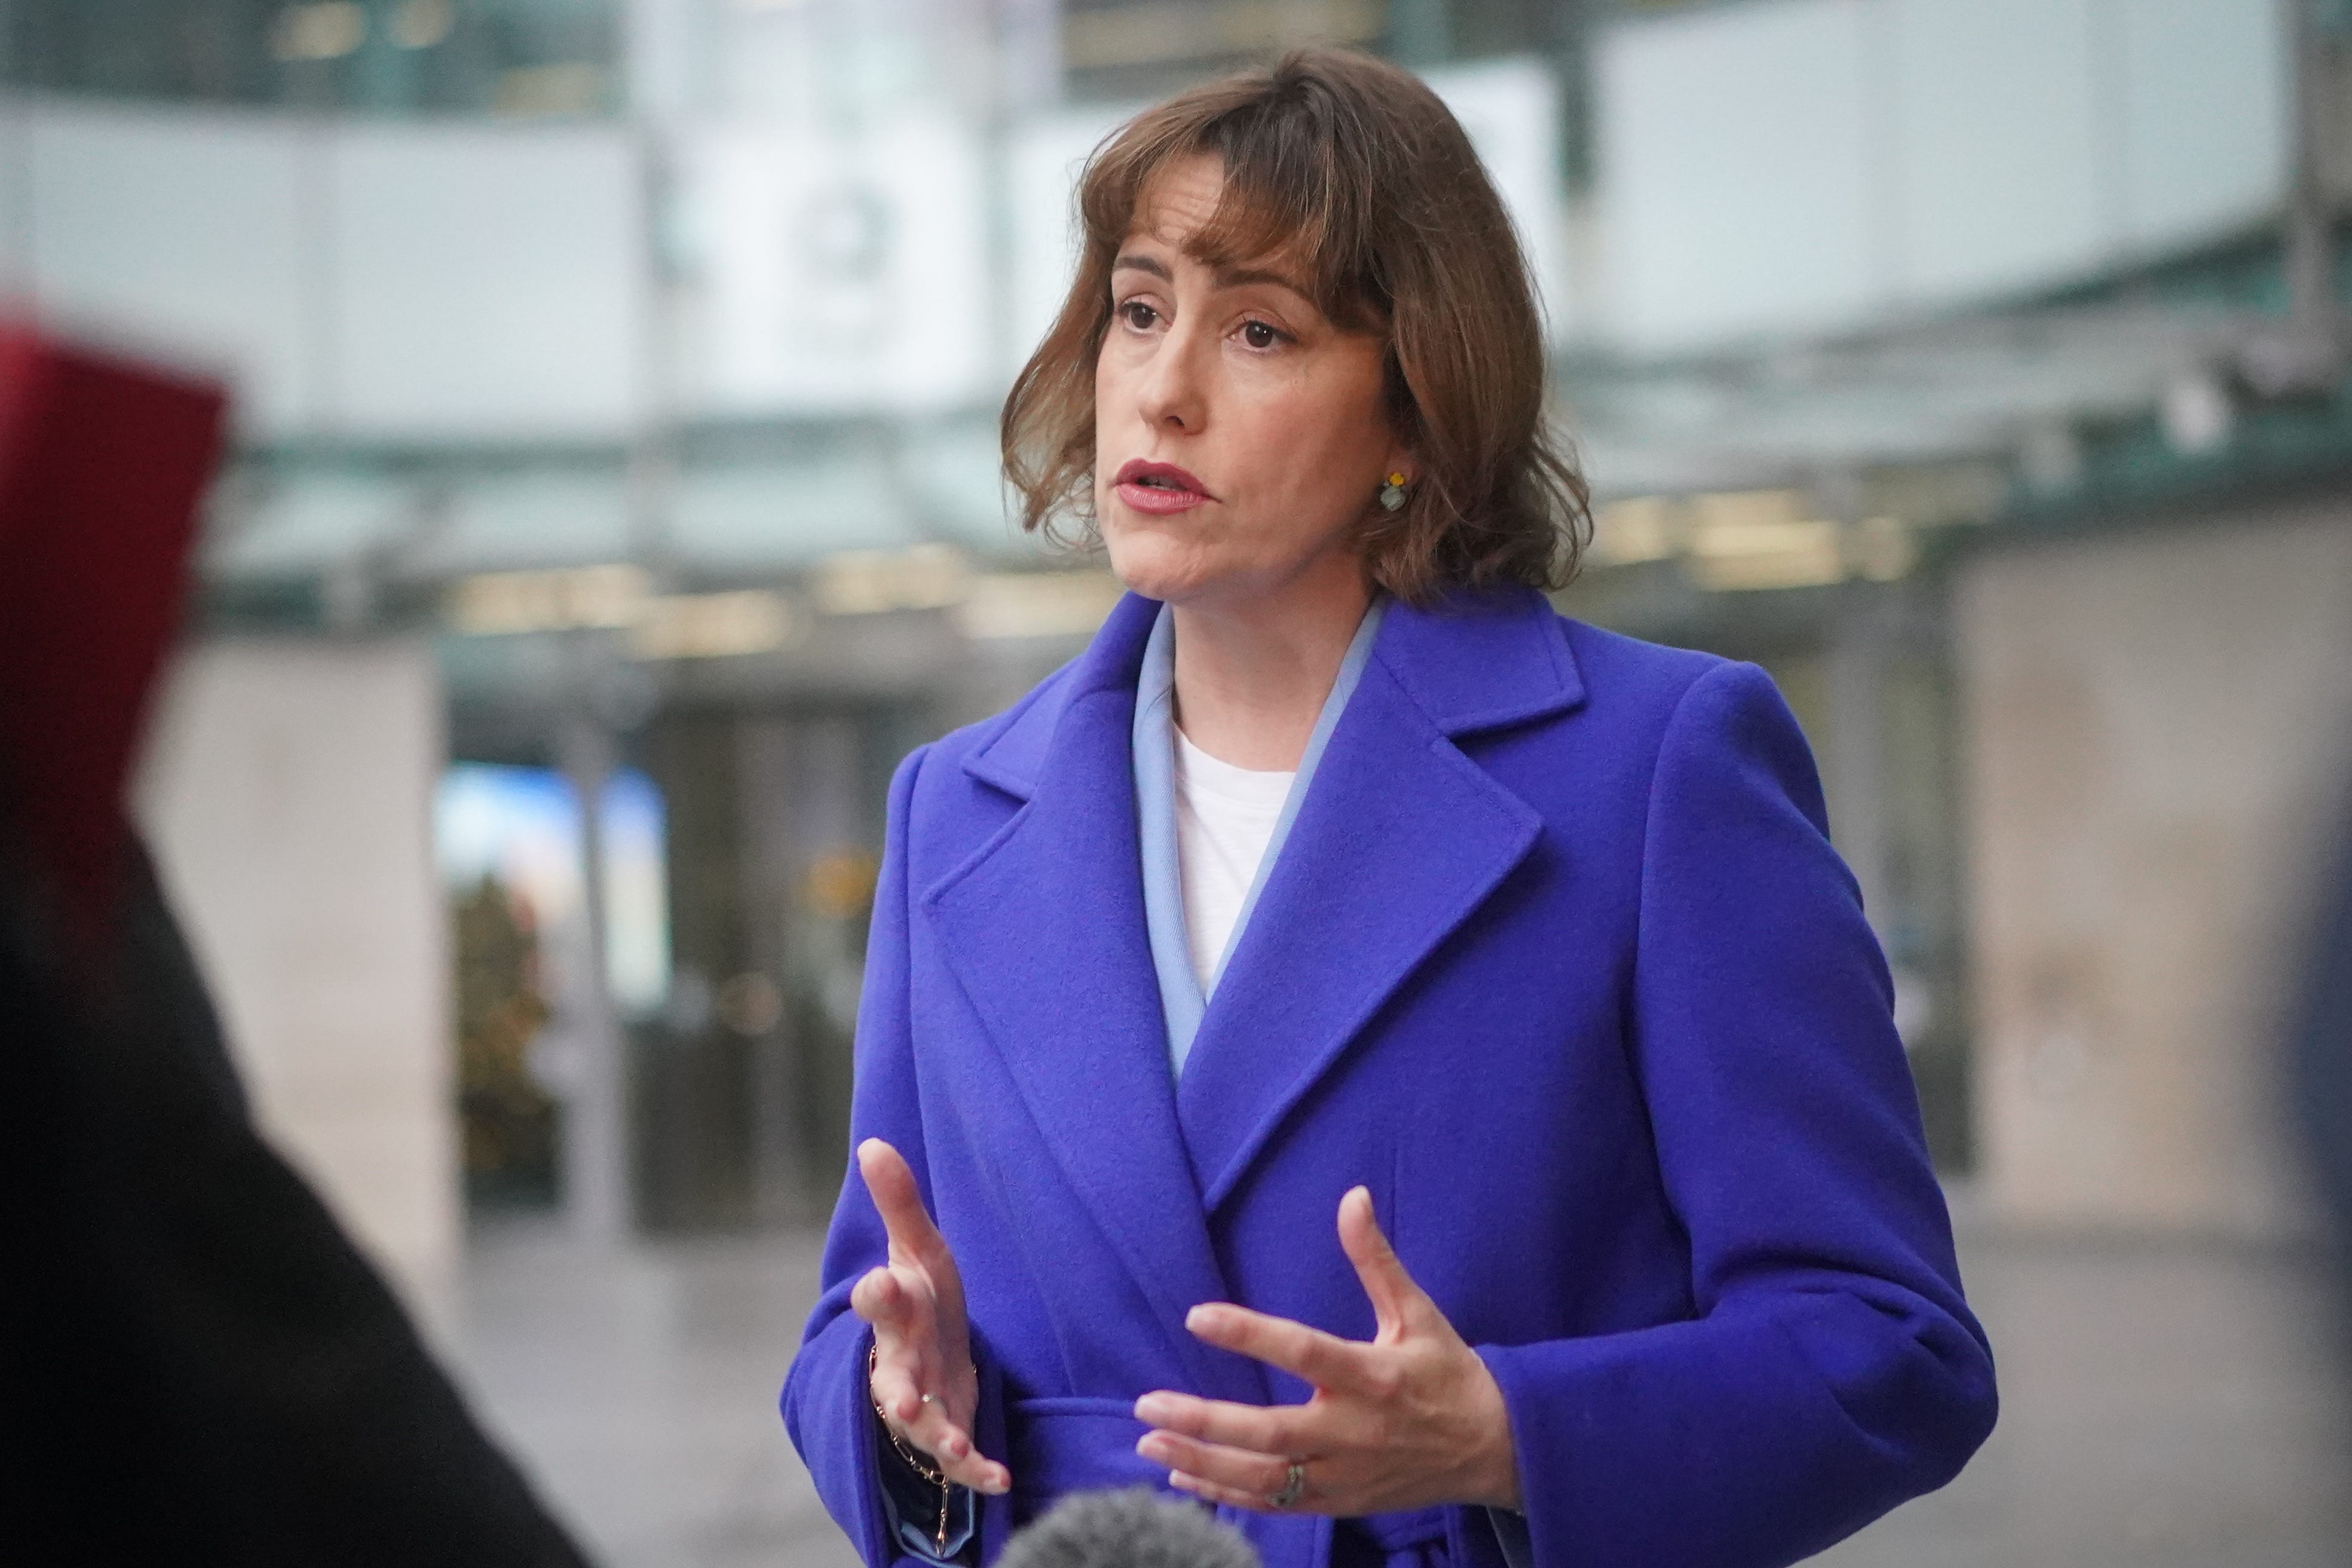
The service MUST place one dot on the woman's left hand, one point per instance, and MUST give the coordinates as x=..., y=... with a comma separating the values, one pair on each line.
x=1412, y=1419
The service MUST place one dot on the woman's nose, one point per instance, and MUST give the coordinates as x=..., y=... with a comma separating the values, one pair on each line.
x=1172, y=395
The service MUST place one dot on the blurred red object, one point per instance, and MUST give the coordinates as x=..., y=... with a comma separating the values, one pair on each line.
x=103, y=464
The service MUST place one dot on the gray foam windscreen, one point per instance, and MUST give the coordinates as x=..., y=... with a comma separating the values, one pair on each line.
x=1137, y=1528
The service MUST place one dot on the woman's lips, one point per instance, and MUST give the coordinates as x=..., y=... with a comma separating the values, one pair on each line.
x=1157, y=488
x=1154, y=498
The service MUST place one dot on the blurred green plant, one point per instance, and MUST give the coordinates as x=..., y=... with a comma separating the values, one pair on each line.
x=507, y=1120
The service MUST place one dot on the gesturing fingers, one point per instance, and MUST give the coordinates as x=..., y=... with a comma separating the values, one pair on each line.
x=924, y=1422
x=930, y=1429
x=881, y=1297
x=1326, y=1361
x=1395, y=1298
x=968, y=1469
x=900, y=1304
x=1238, y=1476
x=898, y=1387
x=901, y=1202
x=1262, y=1430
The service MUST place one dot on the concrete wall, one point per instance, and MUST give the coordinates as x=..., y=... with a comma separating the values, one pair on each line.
x=286, y=791
x=2155, y=729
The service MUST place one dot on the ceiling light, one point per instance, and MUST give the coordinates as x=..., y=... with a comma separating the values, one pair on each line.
x=867, y=581
x=2197, y=413
x=1761, y=539
x=420, y=24
x=1637, y=529
x=712, y=626
x=569, y=87
x=326, y=32
x=493, y=603
x=1037, y=604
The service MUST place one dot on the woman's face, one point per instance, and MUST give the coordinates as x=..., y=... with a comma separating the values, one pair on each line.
x=1239, y=435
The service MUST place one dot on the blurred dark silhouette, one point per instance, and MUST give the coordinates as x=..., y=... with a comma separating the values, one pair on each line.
x=196, y=1365
x=2320, y=1056
x=103, y=465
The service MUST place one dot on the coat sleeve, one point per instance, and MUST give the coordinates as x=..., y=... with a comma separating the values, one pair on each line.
x=826, y=1408
x=1832, y=1368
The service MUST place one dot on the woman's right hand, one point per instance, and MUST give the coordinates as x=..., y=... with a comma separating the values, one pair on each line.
x=922, y=1345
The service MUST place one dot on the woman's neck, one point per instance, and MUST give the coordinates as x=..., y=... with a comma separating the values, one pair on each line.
x=1252, y=675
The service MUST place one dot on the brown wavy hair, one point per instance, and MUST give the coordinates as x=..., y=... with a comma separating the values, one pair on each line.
x=1353, y=172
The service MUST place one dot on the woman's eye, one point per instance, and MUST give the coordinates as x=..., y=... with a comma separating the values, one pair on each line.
x=1259, y=335
x=1138, y=315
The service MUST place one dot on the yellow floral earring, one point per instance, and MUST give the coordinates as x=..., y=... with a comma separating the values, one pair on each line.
x=1392, y=493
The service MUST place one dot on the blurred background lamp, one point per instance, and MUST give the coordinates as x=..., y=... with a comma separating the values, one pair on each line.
x=2197, y=413
x=751, y=1004
x=566, y=86
x=503, y=602
x=420, y=24
x=712, y=626
x=865, y=582
x=322, y=32
x=1746, y=540
x=1731, y=557
x=1637, y=529
x=840, y=883
x=1037, y=604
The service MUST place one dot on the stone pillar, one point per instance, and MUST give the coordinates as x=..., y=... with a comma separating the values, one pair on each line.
x=2154, y=743
x=287, y=791
x=1854, y=760
x=594, y=1138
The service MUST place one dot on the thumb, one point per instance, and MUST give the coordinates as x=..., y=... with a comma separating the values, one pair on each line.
x=1393, y=1294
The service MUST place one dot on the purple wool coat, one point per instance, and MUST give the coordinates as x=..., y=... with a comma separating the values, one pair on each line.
x=1557, y=960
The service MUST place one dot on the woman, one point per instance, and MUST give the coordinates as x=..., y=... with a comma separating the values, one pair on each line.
x=1340, y=876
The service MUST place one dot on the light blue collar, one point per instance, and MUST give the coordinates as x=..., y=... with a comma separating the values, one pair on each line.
x=1181, y=995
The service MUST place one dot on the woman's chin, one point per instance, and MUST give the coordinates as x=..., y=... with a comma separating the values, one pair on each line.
x=1168, y=588
x=1156, y=568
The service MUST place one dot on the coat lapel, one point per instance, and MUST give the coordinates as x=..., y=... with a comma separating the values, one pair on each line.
x=1399, y=839
x=1045, y=930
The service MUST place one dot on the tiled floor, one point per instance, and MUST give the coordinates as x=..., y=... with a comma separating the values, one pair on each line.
x=639, y=1389
x=2165, y=1405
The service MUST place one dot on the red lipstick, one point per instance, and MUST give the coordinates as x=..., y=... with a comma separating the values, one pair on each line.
x=1157, y=488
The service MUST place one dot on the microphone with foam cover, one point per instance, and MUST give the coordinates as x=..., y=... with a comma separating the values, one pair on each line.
x=1137, y=1527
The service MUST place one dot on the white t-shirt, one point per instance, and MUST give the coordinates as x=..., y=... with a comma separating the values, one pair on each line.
x=1224, y=820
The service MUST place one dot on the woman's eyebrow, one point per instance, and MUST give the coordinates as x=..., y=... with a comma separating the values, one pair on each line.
x=1243, y=277
x=1227, y=276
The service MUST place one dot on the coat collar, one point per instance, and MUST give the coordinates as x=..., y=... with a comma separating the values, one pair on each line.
x=1401, y=840
x=1043, y=928
x=1401, y=837
x=1482, y=660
